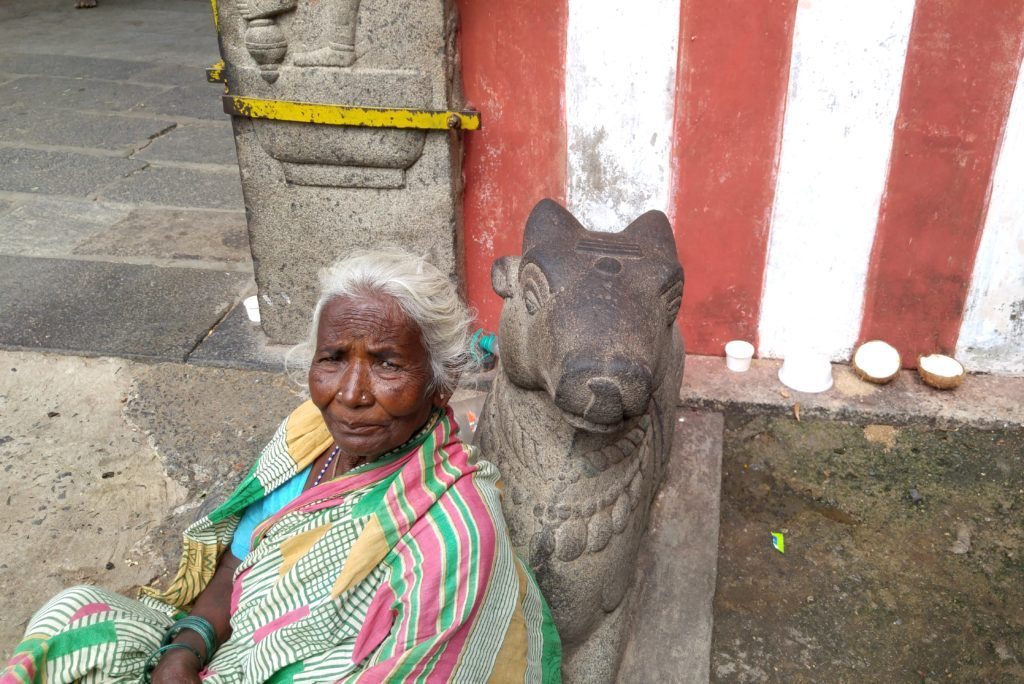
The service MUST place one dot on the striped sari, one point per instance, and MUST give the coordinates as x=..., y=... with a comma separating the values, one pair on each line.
x=399, y=570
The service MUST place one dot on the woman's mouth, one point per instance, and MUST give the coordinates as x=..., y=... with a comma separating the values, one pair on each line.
x=359, y=428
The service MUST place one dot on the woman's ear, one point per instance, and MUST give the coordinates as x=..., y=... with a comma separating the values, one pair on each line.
x=440, y=399
x=504, y=274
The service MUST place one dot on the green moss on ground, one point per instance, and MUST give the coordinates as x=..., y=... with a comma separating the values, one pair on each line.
x=871, y=587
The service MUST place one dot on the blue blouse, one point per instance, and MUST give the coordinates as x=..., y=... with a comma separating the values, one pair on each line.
x=259, y=511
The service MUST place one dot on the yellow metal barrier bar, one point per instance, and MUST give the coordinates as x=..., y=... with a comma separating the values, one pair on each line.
x=215, y=72
x=342, y=115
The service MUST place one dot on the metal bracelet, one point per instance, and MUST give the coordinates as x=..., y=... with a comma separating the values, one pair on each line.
x=200, y=626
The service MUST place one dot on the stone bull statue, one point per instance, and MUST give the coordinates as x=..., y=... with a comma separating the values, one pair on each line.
x=581, y=414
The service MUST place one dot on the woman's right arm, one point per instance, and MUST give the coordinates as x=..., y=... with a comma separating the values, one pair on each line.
x=213, y=604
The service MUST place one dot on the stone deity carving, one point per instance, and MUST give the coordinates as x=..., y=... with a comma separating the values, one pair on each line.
x=267, y=42
x=581, y=414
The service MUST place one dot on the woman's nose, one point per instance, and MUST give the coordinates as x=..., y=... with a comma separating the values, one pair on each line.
x=354, y=389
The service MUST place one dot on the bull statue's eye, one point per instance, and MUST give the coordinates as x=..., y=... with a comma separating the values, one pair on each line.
x=672, y=298
x=532, y=301
x=535, y=288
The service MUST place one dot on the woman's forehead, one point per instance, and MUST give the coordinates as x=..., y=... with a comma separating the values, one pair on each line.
x=377, y=318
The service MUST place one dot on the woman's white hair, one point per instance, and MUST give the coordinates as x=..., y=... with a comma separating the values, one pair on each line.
x=422, y=291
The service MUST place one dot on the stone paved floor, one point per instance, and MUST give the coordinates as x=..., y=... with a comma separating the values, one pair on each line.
x=120, y=203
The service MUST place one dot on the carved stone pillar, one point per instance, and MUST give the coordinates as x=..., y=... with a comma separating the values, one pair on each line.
x=312, y=190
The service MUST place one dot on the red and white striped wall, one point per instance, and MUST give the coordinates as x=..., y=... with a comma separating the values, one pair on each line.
x=835, y=171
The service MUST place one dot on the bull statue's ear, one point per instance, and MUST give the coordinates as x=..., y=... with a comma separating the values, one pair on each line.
x=504, y=273
x=550, y=222
x=652, y=228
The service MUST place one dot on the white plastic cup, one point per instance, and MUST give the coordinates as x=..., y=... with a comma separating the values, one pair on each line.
x=738, y=354
x=252, y=308
x=806, y=372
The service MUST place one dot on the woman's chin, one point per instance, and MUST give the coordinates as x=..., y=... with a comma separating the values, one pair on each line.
x=364, y=444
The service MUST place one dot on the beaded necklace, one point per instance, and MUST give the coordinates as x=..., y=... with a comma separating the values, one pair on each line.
x=330, y=460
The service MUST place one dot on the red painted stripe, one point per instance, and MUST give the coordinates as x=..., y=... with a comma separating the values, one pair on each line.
x=730, y=97
x=513, y=70
x=962, y=62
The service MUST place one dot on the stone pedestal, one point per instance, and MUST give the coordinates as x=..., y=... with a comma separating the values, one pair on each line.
x=315, y=191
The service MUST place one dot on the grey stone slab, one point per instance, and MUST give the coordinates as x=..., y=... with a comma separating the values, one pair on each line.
x=178, y=187
x=48, y=226
x=174, y=75
x=671, y=640
x=199, y=102
x=179, y=32
x=208, y=424
x=136, y=451
x=60, y=173
x=82, y=487
x=71, y=66
x=237, y=342
x=98, y=308
x=27, y=123
x=42, y=92
x=173, y=234
x=195, y=143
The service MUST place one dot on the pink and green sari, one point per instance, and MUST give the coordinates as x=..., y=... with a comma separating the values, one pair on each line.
x=399, y=570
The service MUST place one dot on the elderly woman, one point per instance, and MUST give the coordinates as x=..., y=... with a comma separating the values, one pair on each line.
x=365, y=545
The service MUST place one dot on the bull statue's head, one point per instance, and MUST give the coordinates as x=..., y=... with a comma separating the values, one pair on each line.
x=587, y=315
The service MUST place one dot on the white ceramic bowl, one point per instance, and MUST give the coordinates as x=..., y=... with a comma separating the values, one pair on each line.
x=809, y=373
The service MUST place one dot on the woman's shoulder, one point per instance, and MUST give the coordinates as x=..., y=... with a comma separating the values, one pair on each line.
x=476, y=488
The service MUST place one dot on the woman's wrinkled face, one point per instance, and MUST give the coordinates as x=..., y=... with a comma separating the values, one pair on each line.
x=370, y=375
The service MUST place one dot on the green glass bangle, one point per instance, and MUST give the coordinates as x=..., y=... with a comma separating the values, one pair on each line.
x=155, y=656
x=200, y=626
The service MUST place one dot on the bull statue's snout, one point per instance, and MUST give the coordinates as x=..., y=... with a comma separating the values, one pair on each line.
x=604, y=393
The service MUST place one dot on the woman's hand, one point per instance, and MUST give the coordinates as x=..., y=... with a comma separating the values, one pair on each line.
x=214, y=605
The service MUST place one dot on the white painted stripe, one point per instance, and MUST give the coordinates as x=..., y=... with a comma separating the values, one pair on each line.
x=844, y=86
x=619, y=89
x=992, y=332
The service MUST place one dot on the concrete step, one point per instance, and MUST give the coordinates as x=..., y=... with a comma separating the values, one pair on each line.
x=676, y=571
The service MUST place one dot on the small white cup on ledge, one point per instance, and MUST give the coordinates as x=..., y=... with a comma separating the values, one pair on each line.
x=738, y=354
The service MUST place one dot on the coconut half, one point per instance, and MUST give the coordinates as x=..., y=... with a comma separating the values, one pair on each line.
x=876, y=361
x=940, y=371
